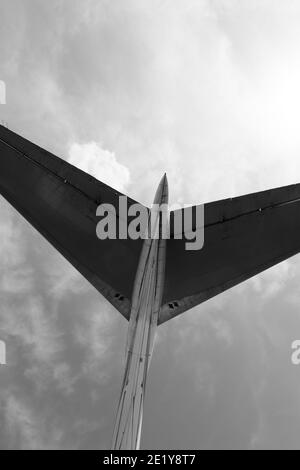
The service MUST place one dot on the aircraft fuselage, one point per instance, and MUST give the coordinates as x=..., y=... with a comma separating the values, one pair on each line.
x=146, y=303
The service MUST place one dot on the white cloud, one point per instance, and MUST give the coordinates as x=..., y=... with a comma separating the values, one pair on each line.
x=93, y=334
x=100, y=163
x=17, y=280
x=22, y=424
x=62, y=278
x=27, y=427
x=270, y=282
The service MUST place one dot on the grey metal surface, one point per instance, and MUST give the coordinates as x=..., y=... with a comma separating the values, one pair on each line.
x=60, y=201
x=243, y=236
x=146, y=302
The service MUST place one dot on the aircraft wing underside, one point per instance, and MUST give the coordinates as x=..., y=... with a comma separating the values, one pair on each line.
x=60, y=201
x=243, y=236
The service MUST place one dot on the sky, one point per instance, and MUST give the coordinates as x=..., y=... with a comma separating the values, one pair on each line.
x=207, y=91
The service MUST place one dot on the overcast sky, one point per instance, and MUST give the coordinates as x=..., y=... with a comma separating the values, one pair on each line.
x=207, y=91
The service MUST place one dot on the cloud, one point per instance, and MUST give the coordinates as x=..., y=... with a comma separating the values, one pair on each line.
x=274, y=280
x=99, y=163
x=28, y=428
x=24, y=431
x=207, y=91
x=95, y=337
x=61, y=278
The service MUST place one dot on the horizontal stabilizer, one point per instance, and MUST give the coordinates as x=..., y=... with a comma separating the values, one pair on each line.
x=243, y=236
x=60, y=201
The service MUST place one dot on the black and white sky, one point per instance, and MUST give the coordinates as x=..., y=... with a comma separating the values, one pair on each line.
x=208, y=91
